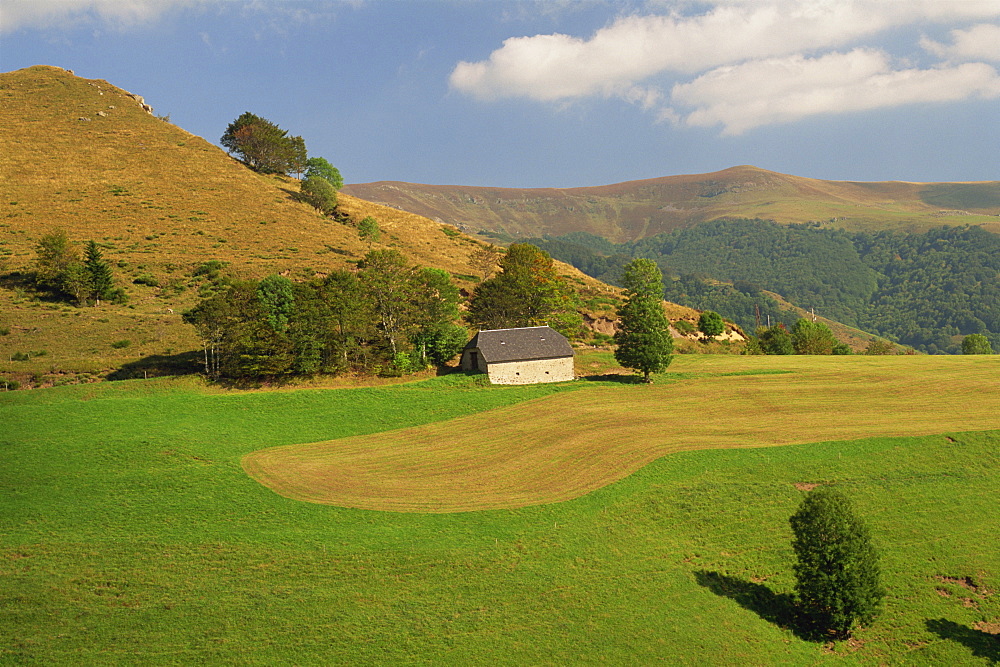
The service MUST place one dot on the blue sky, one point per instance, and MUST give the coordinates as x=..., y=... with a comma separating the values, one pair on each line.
x=560, y=93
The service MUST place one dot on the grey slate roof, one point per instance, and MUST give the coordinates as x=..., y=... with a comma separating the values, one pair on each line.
x=498, y=345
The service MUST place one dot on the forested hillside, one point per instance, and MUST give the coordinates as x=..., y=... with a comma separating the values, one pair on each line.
x=924, y=290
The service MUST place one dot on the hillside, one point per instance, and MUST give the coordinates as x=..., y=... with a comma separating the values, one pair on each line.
x=89, y=158
x=927, y=290
x=639, y=209
x=86, y=156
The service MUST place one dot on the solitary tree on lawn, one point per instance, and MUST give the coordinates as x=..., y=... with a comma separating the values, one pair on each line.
x=837, y=573
x=643, y=336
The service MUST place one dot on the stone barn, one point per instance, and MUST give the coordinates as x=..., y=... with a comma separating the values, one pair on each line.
x=520, y=356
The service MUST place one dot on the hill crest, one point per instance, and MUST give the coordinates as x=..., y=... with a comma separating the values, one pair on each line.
x=633, y=210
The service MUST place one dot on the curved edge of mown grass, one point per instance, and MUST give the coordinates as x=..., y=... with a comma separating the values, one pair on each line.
x=567, y=444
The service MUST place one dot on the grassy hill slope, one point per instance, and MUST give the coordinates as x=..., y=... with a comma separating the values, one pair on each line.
x=638, y=209
x=87, y=157
x=153, y=193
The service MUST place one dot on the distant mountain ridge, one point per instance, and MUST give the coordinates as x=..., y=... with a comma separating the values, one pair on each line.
x=638, y=209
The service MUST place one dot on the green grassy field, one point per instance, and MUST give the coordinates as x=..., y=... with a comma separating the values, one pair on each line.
x=130, y=534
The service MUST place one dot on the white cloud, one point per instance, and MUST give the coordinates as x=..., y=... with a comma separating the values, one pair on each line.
x=633, y=48
x=981, y=42
x=782, y=90
x=742, y=48
x=61, y=14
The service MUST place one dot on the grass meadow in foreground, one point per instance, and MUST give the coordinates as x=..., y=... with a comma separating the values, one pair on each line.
x=129, y=534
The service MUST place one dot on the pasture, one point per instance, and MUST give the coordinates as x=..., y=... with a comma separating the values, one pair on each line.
x=131, y=534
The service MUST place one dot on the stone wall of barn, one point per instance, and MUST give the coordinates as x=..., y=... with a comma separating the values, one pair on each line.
x=531, y=372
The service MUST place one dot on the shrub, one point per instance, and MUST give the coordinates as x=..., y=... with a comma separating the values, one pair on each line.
x=9, y=385
x=775, y=340
x=976, y=344
x=320, y=194
x=120, y=344
x=146, y=279
x=710, y=323
x=684, y=327
x=810, y=337
x=837, y=571
x=209, y=269
x=880, y=346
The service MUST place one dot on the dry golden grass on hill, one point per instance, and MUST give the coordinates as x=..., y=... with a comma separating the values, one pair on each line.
x=152, y=193
x=85, y=156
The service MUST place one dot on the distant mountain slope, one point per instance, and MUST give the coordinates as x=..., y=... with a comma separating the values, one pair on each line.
x=638, y=209
x=927, y=290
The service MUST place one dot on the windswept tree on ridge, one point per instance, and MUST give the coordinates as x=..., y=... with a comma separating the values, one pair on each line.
x=264, y=146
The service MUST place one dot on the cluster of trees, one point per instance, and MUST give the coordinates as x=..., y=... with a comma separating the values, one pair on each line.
x=922, y=290
x=60, y=269
x=804, y=337
x=526, y=292
x=934, y=287
x=265, y=147
x=386, y=317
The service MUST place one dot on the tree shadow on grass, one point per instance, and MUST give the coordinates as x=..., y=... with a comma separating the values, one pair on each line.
x=631, y=378
x=777, y=608
x=157, y=365
x=982, y=644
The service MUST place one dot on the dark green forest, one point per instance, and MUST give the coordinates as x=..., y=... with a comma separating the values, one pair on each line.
x=922, y=290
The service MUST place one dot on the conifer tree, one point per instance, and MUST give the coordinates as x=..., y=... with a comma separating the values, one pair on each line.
x=100, y=282
x=643, y=337
x=837, y=571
